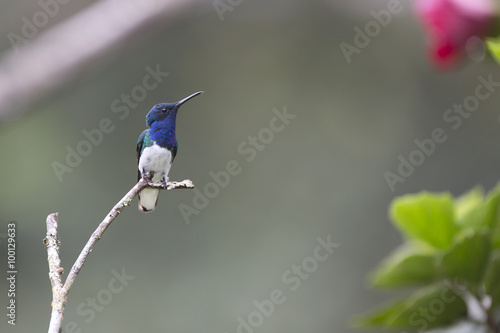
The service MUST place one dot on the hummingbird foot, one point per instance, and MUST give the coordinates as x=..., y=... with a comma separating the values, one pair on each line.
x=148, y=175
x=164, y=181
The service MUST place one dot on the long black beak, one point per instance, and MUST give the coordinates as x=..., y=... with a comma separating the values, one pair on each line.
x=182, y=101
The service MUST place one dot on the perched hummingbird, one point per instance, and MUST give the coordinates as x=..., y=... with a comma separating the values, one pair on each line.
x=156, y=149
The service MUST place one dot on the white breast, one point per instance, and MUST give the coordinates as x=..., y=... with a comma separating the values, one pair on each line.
x=156, y=159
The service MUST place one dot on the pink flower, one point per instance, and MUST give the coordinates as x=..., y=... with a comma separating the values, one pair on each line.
x=451, y=23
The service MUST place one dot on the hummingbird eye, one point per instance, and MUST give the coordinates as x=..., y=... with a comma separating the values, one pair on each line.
x=164, y=110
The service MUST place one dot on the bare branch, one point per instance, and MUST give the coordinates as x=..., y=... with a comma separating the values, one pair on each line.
x=55, y=271
x=173, y=185
x=52, y=243
x=60, y=291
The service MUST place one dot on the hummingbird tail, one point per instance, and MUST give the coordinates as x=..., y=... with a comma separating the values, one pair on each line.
x=148, y=199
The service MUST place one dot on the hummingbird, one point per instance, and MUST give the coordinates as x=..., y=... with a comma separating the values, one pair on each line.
x=156, y=149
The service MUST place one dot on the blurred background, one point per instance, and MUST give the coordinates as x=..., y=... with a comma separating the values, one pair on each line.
x=323, y=175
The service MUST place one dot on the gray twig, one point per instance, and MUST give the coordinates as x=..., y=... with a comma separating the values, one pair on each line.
x=60, y=291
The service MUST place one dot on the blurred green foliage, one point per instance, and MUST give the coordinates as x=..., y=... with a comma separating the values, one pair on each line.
x=451, y=248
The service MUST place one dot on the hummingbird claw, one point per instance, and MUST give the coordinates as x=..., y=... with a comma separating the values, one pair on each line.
x=164, y=181
x=148, y=175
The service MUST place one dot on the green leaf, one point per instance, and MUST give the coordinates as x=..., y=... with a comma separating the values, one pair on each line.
x=483, y=214
x=496, y=237
x=493, y=45
x=467, y=258
x=378, y=317
x=427, y=217
x=495, y=216
x=467, y=202
x=492, y=278
x=407, y=266
x=428, y=308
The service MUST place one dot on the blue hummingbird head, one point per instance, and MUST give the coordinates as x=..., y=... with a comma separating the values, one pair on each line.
x=167, y=111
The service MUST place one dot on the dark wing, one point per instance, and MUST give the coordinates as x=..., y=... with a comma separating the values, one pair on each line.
x=140, y=144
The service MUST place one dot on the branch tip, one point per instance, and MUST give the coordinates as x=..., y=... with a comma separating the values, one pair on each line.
x=60, y=290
